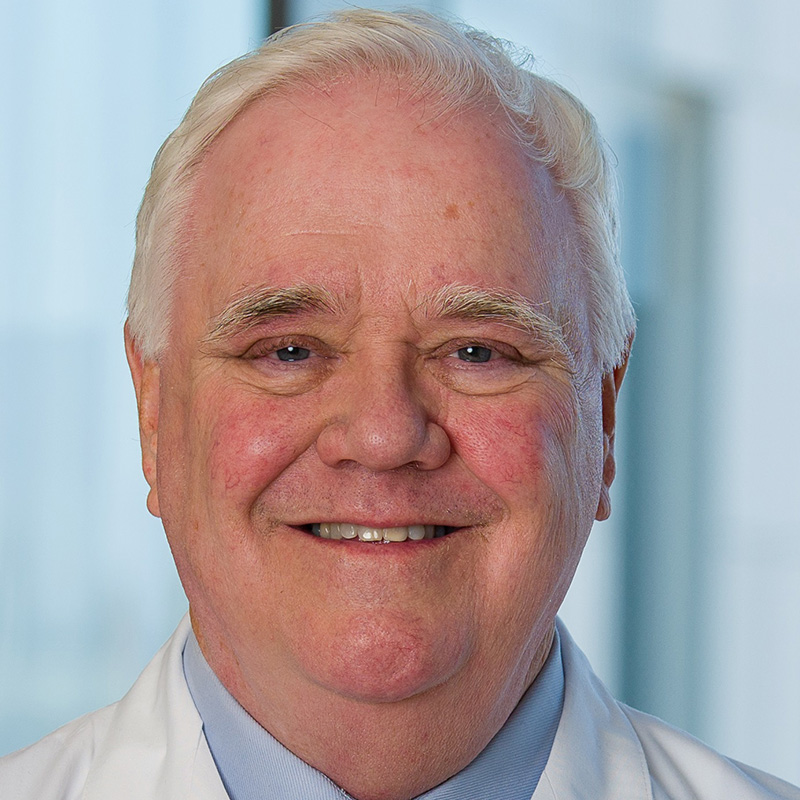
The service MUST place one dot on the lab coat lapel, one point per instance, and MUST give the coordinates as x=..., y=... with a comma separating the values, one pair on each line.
x=155, y=747
x=596, y=754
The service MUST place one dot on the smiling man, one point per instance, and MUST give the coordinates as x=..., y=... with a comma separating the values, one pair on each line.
x=377, y=330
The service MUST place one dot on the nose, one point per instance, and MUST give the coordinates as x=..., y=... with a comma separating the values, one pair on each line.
x=381, y=421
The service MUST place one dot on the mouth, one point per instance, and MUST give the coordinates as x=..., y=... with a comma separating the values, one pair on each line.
x=363, y=533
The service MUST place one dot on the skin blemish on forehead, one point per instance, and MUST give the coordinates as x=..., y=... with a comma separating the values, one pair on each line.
x=452, y=211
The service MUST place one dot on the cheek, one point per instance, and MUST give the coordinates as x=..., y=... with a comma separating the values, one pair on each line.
x=514, y=444
x=244, y=443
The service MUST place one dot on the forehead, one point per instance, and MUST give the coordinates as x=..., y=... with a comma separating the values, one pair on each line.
x=366, y=188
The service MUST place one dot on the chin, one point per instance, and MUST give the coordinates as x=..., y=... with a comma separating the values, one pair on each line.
x=387, y=658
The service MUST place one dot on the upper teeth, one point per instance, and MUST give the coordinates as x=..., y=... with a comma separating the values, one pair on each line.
x=345, y=530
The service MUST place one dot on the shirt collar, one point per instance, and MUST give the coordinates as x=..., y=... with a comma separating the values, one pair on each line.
x=253, y=764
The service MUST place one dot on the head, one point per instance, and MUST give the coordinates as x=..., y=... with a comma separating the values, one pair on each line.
x=376, y=297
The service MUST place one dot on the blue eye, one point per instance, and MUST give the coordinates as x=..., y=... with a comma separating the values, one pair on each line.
x=474, y=354
x=293, y=353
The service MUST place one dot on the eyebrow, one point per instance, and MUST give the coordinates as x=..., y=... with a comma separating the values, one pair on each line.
x=467, y=303
x=473, y=304
x=268, y=302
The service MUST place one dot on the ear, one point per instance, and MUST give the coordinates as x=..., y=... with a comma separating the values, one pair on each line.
x=146, y=384
x=612, y=381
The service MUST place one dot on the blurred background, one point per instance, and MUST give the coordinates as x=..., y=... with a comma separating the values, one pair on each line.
x=687, y=600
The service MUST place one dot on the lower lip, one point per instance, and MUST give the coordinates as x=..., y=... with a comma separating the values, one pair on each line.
x=345, y=554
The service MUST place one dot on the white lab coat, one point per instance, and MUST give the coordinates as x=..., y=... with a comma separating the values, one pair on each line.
x=150, y=746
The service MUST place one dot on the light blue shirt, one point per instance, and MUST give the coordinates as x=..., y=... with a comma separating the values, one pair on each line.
x=255, y=766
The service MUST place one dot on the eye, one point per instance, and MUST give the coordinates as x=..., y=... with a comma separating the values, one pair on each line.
x=474, y=354
x=478, y=366
x=288, y=350
x=292, y=353
x=287, y=365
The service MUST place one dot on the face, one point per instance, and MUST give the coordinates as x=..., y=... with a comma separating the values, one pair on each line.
x=379, y=323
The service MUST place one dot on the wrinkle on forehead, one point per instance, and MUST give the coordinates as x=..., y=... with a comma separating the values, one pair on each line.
x=332, y=231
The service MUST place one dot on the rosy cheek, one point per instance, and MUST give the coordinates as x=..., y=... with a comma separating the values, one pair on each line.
x=512, y=443
x=252, y=442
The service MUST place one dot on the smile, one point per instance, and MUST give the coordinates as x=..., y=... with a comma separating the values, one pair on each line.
x=346, y=530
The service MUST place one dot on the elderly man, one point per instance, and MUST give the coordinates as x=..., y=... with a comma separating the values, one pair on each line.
x=377, y=330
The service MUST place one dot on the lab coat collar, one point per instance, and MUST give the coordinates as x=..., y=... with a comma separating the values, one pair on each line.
x=156, y=724
x=596, y=753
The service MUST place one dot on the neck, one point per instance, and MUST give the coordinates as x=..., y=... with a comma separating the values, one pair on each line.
x=391, y=750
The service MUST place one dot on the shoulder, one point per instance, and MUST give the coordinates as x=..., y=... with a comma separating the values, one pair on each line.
x=606, y=750
x=120, y=749
x=56, y=767
x=683, y=766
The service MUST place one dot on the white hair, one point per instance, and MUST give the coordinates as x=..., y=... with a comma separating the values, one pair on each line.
x=465, y=68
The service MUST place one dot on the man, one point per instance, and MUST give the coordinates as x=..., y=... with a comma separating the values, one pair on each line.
x=377, y=330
